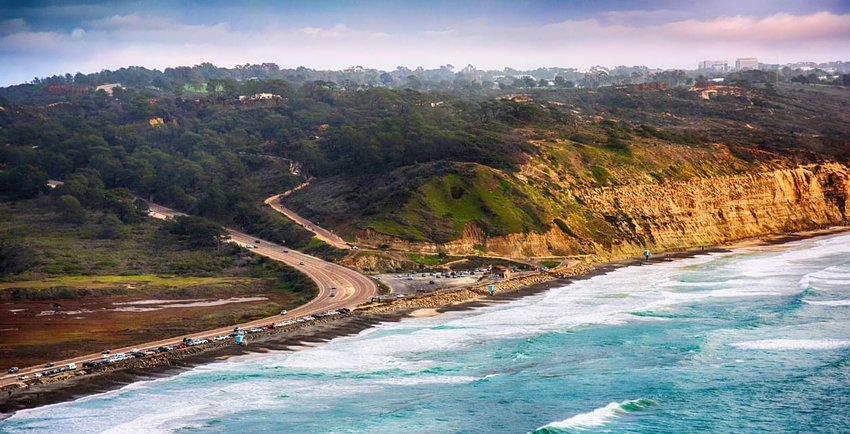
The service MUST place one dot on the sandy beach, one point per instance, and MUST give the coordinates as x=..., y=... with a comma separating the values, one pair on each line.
x=166, y=364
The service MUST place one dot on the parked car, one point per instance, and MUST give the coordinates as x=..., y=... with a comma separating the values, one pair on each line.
x=14, y=369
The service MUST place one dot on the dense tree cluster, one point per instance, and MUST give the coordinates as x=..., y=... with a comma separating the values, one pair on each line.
x=183, y=137
x=214, y=156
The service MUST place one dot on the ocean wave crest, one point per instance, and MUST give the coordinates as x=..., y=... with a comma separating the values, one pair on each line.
x=828, y=302
x=793, y=344
x=597, y=417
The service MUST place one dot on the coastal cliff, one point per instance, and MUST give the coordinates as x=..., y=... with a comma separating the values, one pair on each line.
x=620, y=221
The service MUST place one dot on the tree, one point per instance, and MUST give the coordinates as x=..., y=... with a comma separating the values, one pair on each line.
x=197, y=232
x=560, y=81
x=86, y=185
x=70, y=210
x=23, y=182
x=16, y=257
x=111, y=227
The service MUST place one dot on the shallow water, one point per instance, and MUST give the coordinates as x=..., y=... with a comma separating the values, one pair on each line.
x=756, y=340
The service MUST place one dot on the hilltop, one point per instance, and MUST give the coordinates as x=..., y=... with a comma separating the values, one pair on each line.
x=533, y=172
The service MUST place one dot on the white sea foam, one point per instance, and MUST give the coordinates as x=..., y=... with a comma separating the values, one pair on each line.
x=433, y=379
x=158, y=421
x=351, y=365
x=792, y=344
x=828, y=302
x=599, y=416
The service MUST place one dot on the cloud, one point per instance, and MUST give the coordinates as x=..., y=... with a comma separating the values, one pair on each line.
x=439, y=33
x=779, y=27
x=16, y=25
x=158, y=42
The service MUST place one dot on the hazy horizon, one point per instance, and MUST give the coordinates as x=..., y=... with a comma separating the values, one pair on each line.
x=44, y=38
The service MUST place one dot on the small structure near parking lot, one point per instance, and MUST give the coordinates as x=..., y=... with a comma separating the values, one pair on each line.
x=500, y=271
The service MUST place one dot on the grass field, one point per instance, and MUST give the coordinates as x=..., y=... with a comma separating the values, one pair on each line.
x=72, y=292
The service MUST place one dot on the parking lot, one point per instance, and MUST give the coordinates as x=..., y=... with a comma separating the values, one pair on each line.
x=410, y=283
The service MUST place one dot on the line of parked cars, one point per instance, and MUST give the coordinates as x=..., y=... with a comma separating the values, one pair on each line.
x=106, y=357
x=315, y=316
x=47, y=373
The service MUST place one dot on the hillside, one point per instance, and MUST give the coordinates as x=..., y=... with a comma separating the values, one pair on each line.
x=607, y=143
x=541, y=173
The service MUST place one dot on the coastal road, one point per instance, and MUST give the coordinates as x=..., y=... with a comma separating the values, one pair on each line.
x=338, y=287
x=320, y=232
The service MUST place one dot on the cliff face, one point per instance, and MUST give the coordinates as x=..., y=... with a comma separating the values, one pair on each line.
x=674, y=215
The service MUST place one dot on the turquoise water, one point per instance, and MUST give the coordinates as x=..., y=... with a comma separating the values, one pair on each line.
x=749, y=341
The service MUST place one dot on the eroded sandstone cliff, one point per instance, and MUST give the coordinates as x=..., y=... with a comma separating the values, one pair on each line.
x=671, y=215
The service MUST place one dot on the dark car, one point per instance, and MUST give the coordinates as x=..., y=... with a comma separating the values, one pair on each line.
x=14, y=369
x=344, y=310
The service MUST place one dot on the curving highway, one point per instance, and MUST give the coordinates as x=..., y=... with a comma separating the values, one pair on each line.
x=320, y=232
x=338, y=287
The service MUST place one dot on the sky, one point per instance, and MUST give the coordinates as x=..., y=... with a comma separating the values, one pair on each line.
x=40, y=38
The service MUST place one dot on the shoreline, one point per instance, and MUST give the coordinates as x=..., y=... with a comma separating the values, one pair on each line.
x=170, y=364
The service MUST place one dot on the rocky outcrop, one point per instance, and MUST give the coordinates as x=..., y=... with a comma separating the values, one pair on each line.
x=674, y=215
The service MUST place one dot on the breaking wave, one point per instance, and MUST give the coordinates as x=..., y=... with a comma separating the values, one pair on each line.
x=792, y=344
x=597, y=417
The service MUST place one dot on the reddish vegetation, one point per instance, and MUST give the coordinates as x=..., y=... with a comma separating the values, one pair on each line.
x=66, y=89
x=36, y=332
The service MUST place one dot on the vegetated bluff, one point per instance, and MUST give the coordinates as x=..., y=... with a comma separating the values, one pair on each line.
x=604, y=171
x=615, y=171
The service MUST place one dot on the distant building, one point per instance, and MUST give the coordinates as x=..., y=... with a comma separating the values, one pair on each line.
x=500, y=271
x=746, y=64
x=108, y=88
x=260, y=97
x=714, y=65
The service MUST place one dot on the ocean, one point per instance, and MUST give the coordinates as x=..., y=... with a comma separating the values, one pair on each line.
x=748, y=341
